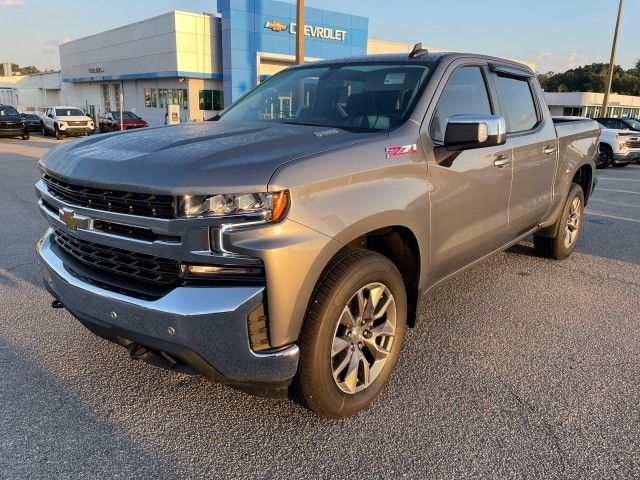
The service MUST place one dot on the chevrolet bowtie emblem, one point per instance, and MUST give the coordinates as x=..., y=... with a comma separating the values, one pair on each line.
x=69, y=218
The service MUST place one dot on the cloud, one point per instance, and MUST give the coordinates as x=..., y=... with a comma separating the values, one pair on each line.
x=51, y=46
x=13, y=3
x=560, y=62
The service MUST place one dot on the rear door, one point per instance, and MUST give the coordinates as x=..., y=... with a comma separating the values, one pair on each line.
x=468, y=190
x=532, y=136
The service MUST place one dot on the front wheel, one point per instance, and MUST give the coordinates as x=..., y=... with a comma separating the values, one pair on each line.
x=605, y=156
x=568, y=228
x=59, y=134
x=352, y=334
x=620, y=165
x=44, y=130
x=26, y=136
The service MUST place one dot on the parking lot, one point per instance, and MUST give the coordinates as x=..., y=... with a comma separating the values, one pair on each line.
x=522, y=367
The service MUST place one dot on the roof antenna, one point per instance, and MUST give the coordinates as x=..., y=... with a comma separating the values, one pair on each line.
x=418, y=50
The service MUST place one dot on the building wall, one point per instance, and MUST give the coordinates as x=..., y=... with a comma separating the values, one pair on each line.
x=176, y=44
x=251, y=27
x=590, y=103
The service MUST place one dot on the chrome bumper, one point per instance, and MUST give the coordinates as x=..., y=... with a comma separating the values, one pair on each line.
x=205, y=327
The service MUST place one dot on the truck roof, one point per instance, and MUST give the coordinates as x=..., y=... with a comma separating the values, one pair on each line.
x=431, y=57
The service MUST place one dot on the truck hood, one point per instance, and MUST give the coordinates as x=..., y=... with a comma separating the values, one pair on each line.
x=192, y=158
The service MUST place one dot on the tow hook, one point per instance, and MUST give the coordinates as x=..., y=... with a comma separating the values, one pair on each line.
x=57, y=304
x=137, y=352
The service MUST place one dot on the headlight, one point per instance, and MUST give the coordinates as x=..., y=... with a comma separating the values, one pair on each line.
x=62, y=124
x=268, y=207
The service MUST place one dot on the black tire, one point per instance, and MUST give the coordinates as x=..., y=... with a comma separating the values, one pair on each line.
x=348, y=273
x=556, y=247
x=620, y=165
x=59, y=134
x=26, y=136
x=44, y=131
x=605, y=156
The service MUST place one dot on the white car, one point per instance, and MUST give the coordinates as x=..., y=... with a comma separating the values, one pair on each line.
x=618, y=147
x=63, y=121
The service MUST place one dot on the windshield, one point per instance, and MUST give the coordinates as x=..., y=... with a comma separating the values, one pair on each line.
x=69, y=112
x=634, y=124
x=126, y=116
x=6, y=110
x=360, y=97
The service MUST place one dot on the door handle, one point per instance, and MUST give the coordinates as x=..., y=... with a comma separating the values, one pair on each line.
x=501, y=161
x=549, y=150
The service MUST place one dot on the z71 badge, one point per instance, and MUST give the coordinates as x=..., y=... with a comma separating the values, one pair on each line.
x=401, y=150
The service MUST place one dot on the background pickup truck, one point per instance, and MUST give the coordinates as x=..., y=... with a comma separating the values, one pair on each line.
x=288, y=244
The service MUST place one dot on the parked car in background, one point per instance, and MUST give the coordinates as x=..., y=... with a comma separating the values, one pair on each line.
x=617, y=147
x=294, y=240
x=65, y=121
x=33, y=121
x=620, y=123
x=12, y=124
x=110, y=122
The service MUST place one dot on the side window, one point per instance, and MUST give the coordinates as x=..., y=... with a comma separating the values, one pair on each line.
x=517, y=103
x=465, y=93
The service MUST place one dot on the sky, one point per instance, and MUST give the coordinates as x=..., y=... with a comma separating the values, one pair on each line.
x=556, y=34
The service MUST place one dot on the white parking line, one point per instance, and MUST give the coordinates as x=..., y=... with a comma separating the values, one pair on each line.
x=616, y=191
x=608, y=215
x=617, y=179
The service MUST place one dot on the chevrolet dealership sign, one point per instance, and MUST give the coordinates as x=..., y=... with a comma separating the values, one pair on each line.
x=309, y=30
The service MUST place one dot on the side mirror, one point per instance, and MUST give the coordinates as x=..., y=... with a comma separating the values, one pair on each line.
x=465, y=132
x=50, y=115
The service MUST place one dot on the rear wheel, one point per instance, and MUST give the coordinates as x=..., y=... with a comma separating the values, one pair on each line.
x=568, y=228
x=352, y=335
x=605, y=156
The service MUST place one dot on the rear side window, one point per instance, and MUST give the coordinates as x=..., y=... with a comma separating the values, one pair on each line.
x=464, y=94
x=517, y=103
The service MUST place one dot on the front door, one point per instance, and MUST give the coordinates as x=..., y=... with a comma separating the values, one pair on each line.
x=468, y=190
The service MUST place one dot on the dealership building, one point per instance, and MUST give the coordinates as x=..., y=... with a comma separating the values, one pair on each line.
x=199, y=61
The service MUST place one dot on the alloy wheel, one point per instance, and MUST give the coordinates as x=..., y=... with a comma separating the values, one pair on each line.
x=363, y=338
x=573, y=222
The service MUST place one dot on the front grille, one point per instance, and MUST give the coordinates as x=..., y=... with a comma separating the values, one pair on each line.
x=141, y=204
x=634, y=144
x=156, y=271
x=10, y=125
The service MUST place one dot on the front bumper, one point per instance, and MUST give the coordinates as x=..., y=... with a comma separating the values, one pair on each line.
x=13, y=132
x=71, y=130
x=202, y=327
x=628, y=157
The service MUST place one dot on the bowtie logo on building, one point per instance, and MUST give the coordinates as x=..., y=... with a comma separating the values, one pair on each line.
x=276, y=26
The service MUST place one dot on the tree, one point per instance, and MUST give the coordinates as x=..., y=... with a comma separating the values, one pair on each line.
x=15, y=68
x=592, y=78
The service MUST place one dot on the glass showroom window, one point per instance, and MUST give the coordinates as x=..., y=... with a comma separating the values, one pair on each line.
x=211, y=100
x=147, y=97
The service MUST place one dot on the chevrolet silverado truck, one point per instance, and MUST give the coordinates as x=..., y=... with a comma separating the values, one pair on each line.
x=617, y=147
x=286, y=246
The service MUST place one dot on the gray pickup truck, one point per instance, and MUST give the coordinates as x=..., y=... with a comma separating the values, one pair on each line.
x=285, y=247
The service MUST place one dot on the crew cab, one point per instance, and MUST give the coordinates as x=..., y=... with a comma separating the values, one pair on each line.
x=110, y=121
x=618, y=147
x=65, y=121
x=12, y=124
x=287, y=244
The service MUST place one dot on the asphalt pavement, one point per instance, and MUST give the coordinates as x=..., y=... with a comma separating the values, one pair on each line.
x=520, y=368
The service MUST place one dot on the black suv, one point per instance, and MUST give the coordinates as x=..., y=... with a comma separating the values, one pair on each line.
x=12, y=124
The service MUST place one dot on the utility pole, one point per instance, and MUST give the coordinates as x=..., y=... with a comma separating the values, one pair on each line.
x=605, y=103
x=121, y=93
x=300, y=33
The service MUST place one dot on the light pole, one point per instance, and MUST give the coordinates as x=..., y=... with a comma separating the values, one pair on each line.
x=605, y=103
x=300, y=33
